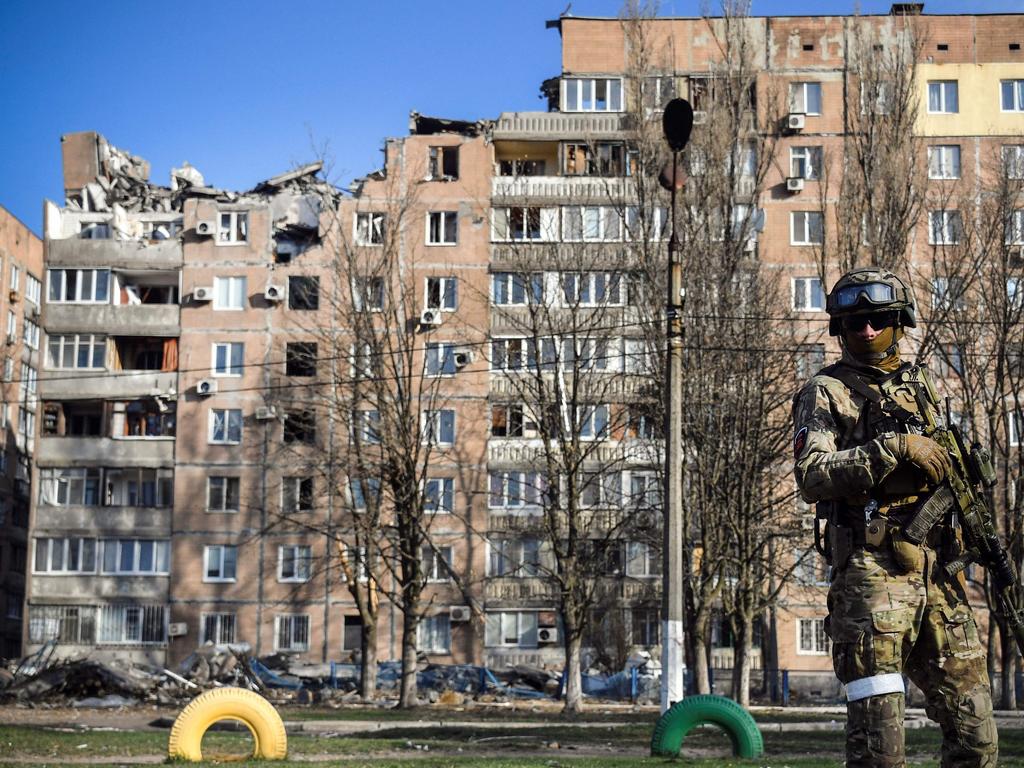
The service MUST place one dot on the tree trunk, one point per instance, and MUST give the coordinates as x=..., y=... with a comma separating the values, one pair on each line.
x=1008, y=654
x=368, y=651
x=407, y=696
x=701, y=678
x=741, y=662
x=573, y=674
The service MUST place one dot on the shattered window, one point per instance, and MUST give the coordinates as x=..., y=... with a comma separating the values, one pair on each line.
x=442, y=292
x=234, y=227
x=95, y=231
x=368, y=293
x=369, y=228
x=300, y=358
x=300, y=427
x=442, y=228
x=218, y=628
x=222, y=494
x=225, y=425
x=303, y=292
x=296, y=494
x=444, y=163
x=437, y=563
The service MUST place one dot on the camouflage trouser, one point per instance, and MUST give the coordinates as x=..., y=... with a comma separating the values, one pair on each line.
x=884, y=623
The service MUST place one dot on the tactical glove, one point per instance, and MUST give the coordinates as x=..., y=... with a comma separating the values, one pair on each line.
x=923, y=452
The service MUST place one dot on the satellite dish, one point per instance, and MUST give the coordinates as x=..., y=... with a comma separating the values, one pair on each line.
x=677, y=122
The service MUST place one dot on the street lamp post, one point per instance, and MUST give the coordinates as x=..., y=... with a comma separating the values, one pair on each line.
x=677, y=122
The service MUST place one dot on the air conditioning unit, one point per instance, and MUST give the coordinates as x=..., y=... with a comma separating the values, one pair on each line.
x=206, y=228
x=699, y=117
x=1015, y=256
x=274, y=293
x=795, y=184
x=430, y=318
x=750, y=245
x=202, y=293
x=795, y=121
x=462, y=358
x=11, y=338
x=206, y=387
x=266, y=413
x=177, y=629
x=547, y=635
x=460, y=613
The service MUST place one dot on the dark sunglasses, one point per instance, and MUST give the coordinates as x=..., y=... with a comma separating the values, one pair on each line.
x=878, y=321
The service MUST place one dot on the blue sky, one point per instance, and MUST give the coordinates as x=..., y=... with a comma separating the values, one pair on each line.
x=246, y=90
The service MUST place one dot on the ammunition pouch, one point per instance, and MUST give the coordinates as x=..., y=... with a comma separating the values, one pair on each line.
x=930, y=512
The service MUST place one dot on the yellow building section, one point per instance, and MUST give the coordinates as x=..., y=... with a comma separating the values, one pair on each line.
x=978, y=96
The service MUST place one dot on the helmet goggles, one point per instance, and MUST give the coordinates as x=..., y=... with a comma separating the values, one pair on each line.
x=873, y=293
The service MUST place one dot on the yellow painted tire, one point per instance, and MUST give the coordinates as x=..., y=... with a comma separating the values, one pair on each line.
x=248, y=708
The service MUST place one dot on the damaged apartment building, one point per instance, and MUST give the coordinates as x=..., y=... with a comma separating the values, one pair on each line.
x=179, y=491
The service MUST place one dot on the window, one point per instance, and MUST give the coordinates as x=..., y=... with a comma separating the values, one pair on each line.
x=808, y=295
x=642, y=560
x=637, y=356
x=362, y=359
x=71, y=555
x=229, y=292
x=366, y=427
x=513, y=489
x=643, y=422
x=217, y=628
x=509, y=288
x=138, y=487
x=944, y=227
x=512, y=420
x=434, y=634
x=303, y=292
x=227, y=358
x=948, y=293
x=513, y=354
x=658, y=91
x=644, y=490
x=603, y=158
x=77, y=350
x=810, y=569
x=300, y=427
x=26, y=421
x=368, y=293
x=33, y=288
x=365, y=492
x=233, y=227
x=70, y=486
x=439, y=495
x=811, y=637
x=352, y=633
x=443, y=163
x=300, y=358
x=132, y=624
x=369, y=228
x=439, y=427
x=805, y=162
x=31, y=334
x=94, y=230
x=591, y=289
x=12, y=326
x=225, y=425
x=805, y=98
x=514, y=557
x=296, y=494
x=15, y=277
x=521, y=167
x=220, y=562
x=442, y=228
x=600, y=489
x=354, y=558
x=593, y=422
x=1015, y=292
x=79, y=286
x=223, y=494
x=291, y=632
x=1012, y=92
x=135, y=556
x=68, y=624
x=943, y=96
x=591, y=223
x=1013, y=161
x=649, y=223
x=591, y=94
x=442, y=293
x=1015, y=227
x=805, y=228
x=948, y=360
x=511, y=628
x=439, y=359
x=294, y=562
x=29, y=382
x=944, y=161
x=524, y=223
x=437, y=563
x=876, y=97
x=645, y=624
x=809, y=360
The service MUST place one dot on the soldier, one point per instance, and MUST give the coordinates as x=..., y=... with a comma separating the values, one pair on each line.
x=893, y=611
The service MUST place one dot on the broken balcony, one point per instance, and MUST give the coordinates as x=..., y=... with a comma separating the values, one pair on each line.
x=139, y=431
x=135, y=366
x=141, y=301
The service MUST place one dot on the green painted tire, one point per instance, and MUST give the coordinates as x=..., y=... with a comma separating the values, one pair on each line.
x=681, y=717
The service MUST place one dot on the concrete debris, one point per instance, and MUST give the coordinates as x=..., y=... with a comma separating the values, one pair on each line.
x=185, y=177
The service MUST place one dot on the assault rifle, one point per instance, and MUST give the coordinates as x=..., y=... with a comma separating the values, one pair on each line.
x=963, y=493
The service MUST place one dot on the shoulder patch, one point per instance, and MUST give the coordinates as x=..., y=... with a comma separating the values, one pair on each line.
x=799, y=442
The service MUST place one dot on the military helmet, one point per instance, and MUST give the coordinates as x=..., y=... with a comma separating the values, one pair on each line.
x=865, y=291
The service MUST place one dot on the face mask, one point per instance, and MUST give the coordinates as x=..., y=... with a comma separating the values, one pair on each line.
x=876, y=352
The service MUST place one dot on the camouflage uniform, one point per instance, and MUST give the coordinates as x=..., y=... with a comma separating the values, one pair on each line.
x=892, y=609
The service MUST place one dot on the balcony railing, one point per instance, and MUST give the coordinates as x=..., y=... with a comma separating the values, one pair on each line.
x=578, y=189
x=560, y=125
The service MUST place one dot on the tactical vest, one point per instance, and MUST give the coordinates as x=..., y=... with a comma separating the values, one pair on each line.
x=889, y=406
